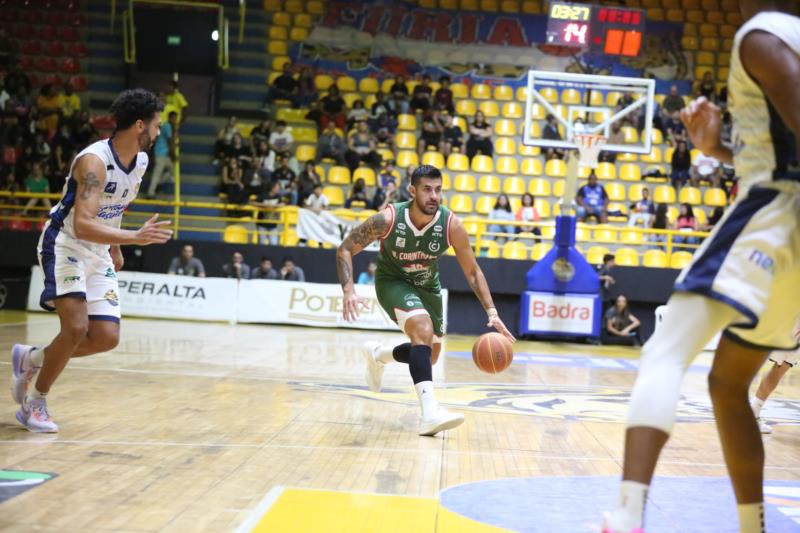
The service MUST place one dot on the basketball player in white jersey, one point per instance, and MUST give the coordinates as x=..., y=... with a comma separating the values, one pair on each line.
x=782, y=361
x=79, y=251
x=744, y=280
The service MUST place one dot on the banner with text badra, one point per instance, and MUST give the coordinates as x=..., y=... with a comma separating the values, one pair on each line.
x=326, y=227
x=146, y=294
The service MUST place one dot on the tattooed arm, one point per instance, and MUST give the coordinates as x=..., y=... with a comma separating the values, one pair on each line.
x=459, y=239
x=90, y=174
x=370, y=230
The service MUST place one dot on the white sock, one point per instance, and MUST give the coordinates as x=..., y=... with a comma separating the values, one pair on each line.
x=751, y=517
x=385, y=355
x=37, y=356
x=630, y=513
x=427, y=400
x=34, y=394
x=756, y=404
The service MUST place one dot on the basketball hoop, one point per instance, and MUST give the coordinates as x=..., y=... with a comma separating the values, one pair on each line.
x=589, y=146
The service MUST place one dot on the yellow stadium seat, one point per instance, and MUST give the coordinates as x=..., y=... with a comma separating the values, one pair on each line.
x=605, y=235
x=272, y=5
x=461, y=123
x=505, y=146
x=710, y=44
x=346, y=84
x=632, y=237
x=406, y=158
x=583, y=233
x=461, y=203
x=435, y=159
x=482, y=163
x=715, y=198
x=489, y=184
x=293, y=6
x=323, y=82
x=507, y=165
x=690, y=195
x=490, y=108
x=515, y=250
x=538, y=187
x=281, y=19
x=466, y=107
x=457, y=162
x=446, y=181
x=549, y=94
x=522, y=94
x=490, y=6
x=481, y=91
x=655, y=259
x=706, y=59
x=626, y=157
x=386, y=85
x=630, y=172
x=484, y=205
x=407, y=122
x=631, y=135
x=492, y=249
x=339, y=176
x=278, y=33
x=315, y=7
x=503, y=93
x=655, y=14
x=459, y=90
x=368, y=85
x=464, y=182
x=514, y=186
x=612, y=97
x=306, y=152
x=529, y=151
x=664, y=194
x=536, y=130
x=680, y=259
x=539, y=250
x=615, y=192
x=298, y=35
x=654, y=157
x=509, y=6
x=531, y=167
x=365, y=173
x=277, y=48
x=235, y=234
x=594, y=255
x=635, y=192
x=555, y=168
x=606, y=171
x=511, y=110
x=505, y=127
x=335, y=195
x=305, y=134
x=303, y=20
x=675, y=15
x=570, y=96
x=542, y=206
x=405, y=140
x=656, y=136
x=627, y=257
x=728, y=31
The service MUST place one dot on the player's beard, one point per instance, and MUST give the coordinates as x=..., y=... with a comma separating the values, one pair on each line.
x=430, y=208
x=145, y=141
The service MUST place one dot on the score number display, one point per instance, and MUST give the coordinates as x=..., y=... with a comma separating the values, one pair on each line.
x=610, y=30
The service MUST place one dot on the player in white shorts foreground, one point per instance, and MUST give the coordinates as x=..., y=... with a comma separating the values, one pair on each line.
x=781, y=363
x=79, y=253
x=744, y=280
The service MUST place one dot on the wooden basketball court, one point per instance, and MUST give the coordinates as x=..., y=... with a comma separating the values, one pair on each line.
x=213, y=427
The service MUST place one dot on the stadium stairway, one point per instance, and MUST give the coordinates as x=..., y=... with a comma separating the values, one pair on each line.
x=106, y=65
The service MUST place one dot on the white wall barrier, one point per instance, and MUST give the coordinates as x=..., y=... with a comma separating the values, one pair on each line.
x=144, y=294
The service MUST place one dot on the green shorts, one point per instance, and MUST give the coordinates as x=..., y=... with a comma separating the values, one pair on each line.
x=401, y=300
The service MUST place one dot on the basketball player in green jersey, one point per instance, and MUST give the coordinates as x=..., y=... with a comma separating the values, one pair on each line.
x=413, y=235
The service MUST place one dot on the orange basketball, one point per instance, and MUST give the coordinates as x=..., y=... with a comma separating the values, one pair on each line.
x=492, y=353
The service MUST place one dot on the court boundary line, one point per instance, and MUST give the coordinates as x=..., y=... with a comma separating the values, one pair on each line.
x=261, y=510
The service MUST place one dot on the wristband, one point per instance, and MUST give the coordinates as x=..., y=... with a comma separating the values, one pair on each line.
x=491, y=313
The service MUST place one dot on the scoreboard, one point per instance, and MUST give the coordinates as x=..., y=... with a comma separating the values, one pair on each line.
x=610, y=30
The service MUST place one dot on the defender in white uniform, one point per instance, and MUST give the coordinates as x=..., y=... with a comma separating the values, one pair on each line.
x=782, y=361
x=744, y=280
x=79, y=251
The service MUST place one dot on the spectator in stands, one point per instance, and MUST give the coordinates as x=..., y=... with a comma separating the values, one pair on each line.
x=164, y=154
x=480, y=137
x=263, y=167
x=264, y=270
x=502, y=212
x=287, y=178
x=361, y=148
x=452, y=137
x=85, y=132
x=317, y=201
x=660, y=221
x=63, y=149
x=384, y=196
x=330, y=145
x=422, y=96
x=550, y=132
x=240, y=151
x=356, y=114
x=443, y=99
x=606, y=279
x=368, y=277
x=308, y=180
x=620, y=327
x=40, y=150
x=681, y=163
x=715, y=217
x=187, y=264
x=706, y=87
x=36, y=183
x=306, y=88
x=705, y=169
x=387, y=173
x=673, y=102
x=616, y=136
x=291, y=272
x=233, y=182
x=382, y=116
x=176, y=100
x=237, y=268
x=225, y=139
x=262, y=131
x=69, y=103
x=675, y=130
x=685, y=222
x=592, y=201
x=431, y=134
x=10, y=184
x=333, y=106
x=281, y=140
x=528, y=213
x=726, y=130
x=47, y=110
x=385, y=139
x=399, y=92
x=642, y=210
x=722, y=96
x=4, y=98
x=358, y=194
x=315, y=114
x=269, y=198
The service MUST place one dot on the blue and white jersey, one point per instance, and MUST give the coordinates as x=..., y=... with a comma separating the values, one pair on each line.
x=120, y=188
x=763, y=144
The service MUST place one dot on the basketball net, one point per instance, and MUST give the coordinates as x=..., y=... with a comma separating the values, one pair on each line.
x=589, y=146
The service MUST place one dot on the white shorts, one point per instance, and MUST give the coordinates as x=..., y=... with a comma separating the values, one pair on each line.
x=751, y=262
x=73, y=270
x=790, y=357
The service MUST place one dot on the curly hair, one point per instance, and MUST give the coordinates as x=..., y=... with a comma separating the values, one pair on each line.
x=425, y=171
x=135, y=104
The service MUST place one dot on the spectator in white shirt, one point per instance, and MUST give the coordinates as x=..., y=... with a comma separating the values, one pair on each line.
x=282, y=142
x=317, y=201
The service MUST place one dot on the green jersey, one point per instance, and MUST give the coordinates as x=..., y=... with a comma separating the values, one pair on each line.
x=411, y=254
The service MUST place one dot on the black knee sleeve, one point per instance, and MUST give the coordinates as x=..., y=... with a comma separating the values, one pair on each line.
x=402, y=352
x=419, y=362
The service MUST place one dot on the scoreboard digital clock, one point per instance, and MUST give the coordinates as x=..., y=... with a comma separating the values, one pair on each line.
x=611, y=30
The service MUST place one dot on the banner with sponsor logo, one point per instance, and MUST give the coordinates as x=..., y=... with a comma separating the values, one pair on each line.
x=325, y=227
x=564, y=314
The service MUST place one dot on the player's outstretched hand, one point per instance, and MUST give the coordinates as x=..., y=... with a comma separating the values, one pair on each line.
x=154, y=232
x=351, y=307
x=496, y=323
x=703, y=121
